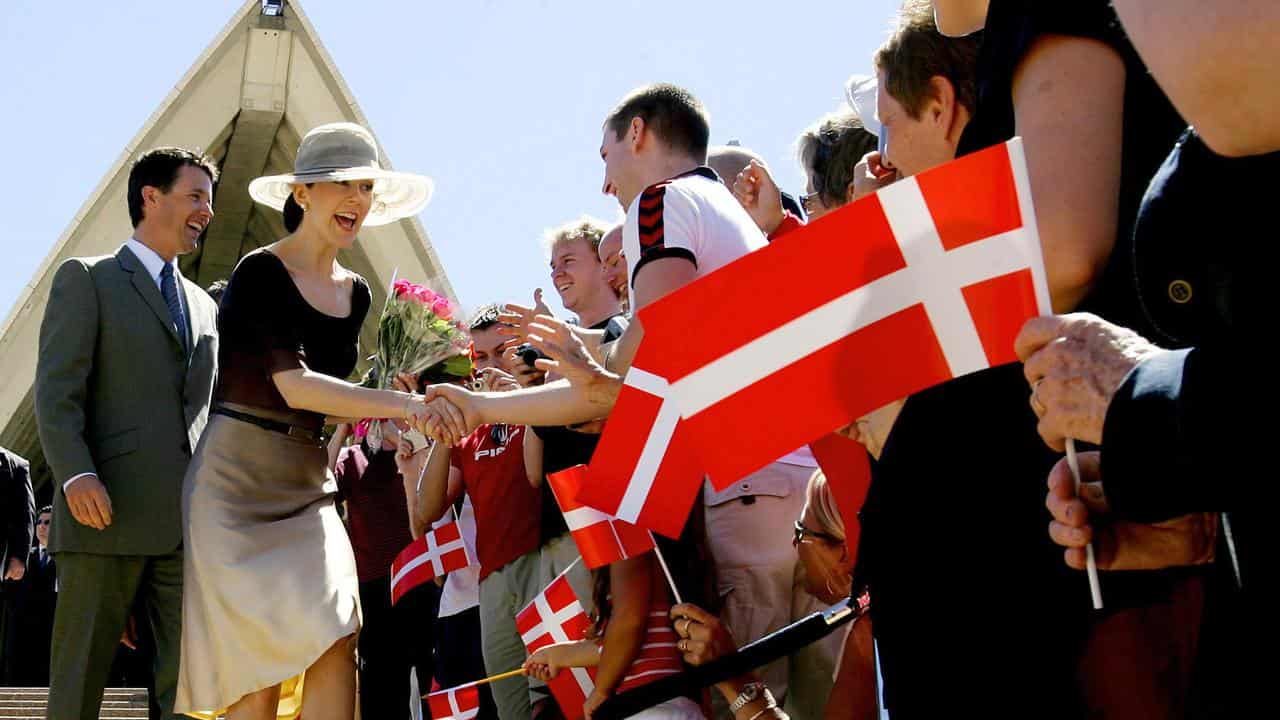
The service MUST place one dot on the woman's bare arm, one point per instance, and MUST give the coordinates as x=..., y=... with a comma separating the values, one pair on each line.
x=1068, y=98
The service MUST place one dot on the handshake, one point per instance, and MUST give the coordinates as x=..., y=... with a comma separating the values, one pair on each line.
x=450, y=413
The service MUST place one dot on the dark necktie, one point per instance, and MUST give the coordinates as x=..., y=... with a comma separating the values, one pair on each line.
x=169, y=289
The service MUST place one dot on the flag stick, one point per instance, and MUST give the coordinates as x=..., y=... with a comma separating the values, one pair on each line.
x=666, y=570
x=485, y=681
x=496, y=678
x=1231, y=548
x=1091, y=564
x=423, y=472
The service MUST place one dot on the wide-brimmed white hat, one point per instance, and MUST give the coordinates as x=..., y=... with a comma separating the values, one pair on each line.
x=336, y=152
x=860, y=93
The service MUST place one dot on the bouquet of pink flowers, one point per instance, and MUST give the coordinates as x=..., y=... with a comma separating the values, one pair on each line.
x=416, y=332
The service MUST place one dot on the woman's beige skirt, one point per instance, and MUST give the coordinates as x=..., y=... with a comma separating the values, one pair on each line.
x=269, y=575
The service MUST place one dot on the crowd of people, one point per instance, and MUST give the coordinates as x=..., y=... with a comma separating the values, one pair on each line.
x=232, y=512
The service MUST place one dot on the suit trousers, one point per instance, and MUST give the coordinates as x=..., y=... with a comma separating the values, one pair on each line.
x=95, y=595
x=460, y=657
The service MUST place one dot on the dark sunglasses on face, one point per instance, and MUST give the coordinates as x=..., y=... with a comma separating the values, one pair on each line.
x=802, y=532
x=44, y=522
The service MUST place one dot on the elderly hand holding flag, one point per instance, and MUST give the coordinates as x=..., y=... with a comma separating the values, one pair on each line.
x=1075, y=363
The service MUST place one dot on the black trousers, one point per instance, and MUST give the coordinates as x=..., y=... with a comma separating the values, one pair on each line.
x=459, y=658
x=393, y=641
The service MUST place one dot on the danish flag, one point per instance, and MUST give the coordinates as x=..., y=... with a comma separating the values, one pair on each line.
x=440, y=551
x=926, y=280
x=460, y=703
x=601, y=539
x=555, y=616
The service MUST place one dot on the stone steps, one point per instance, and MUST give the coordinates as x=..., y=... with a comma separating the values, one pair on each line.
x=30, y=704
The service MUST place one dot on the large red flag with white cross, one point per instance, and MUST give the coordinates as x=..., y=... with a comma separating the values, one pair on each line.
x=926, y=280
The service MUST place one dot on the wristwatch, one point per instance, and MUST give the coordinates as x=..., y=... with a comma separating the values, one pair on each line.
x=750, y=691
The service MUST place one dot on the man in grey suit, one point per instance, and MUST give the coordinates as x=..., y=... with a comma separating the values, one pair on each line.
x=126, y=366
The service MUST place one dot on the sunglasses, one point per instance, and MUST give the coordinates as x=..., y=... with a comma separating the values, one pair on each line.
x=803, y=532
x=44, y=522
x=811, y=202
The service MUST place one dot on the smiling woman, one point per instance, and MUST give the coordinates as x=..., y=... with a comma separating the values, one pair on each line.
x=257, y=500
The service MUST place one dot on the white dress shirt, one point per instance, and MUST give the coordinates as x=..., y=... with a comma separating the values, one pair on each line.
x=154, y=264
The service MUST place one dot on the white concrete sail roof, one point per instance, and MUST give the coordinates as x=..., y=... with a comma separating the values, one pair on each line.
x=246, y=102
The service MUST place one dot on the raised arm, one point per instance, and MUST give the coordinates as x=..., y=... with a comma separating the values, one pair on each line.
x=304, y=389
x=631, y=584
x=433, y=492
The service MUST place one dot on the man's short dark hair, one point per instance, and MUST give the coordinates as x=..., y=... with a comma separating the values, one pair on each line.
x=159, y=168
x=484, y=318
x=916, y=52
x=673, y=114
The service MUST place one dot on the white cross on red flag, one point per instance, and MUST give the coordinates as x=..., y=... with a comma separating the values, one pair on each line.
x=927, y=280
x=601, y=539
x=460, y=703
x=555, y=616
x=440, y=551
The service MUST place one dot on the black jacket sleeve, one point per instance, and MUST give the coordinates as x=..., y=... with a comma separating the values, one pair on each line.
x=18, y=505
x=1179, y=439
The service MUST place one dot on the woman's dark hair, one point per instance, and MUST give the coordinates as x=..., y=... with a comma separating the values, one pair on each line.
x=293, y=213
x=830, y=149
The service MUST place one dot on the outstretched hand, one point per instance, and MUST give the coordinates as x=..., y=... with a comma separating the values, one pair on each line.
x=1119, y=544
x=516, y=319
x=568, y=357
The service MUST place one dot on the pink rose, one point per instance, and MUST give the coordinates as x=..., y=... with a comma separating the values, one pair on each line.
x=361, y=429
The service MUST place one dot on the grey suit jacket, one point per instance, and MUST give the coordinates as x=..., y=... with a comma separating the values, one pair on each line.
x=115, y=395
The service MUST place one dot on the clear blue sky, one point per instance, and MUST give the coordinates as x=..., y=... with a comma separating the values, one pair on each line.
x=500, y=101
